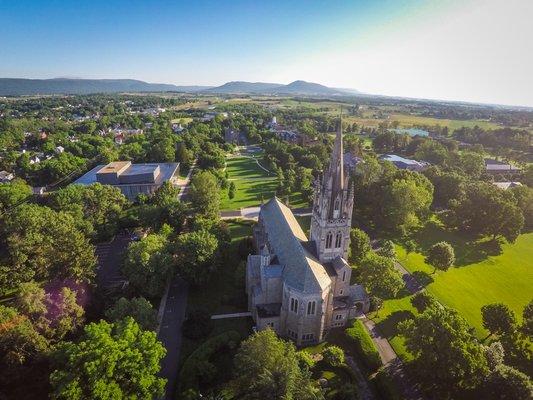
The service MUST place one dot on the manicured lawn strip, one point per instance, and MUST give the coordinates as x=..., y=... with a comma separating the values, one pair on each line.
x=506, y=278
x=387, y=319
x=364, y=344
x=252, y=185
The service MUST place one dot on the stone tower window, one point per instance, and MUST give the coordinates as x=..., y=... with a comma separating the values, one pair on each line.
x=338, y=240
x=343, y=276
x=294, y=305
x=311, y=308
x=336, y=207
x=329, y=240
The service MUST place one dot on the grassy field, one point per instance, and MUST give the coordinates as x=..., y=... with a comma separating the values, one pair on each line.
x=505, y=277
x=253, y=185
x=484, y=273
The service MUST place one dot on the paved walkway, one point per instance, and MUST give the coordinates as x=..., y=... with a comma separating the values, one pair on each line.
x=410, y=281
x=170, y=332
x=184, y=184
x=234, y=315
x=386, y=352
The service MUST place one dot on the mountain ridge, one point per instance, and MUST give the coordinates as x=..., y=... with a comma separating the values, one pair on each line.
x=25, y=86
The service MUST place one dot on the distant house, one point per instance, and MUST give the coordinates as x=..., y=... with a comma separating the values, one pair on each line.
x=507, y=185
x=498, y=167
x=6, y=177
x=405, y=163
x=59, y=149
x=39, y=190
x=35, y=159
x=132, y=179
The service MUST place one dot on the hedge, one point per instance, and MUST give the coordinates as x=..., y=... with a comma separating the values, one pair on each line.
x=364, y=345
x=197, y=364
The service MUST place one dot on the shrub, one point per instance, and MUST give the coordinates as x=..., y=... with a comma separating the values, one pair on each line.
x=333, y=355
x=198, y=368
x=364, y=345
x=305, y=361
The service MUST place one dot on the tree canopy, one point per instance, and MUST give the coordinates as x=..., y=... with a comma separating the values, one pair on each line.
x=111, y=361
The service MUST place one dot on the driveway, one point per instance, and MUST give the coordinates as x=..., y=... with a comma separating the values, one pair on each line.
x=170, y=333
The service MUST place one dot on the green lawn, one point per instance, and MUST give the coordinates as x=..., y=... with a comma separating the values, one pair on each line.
x=253, y=184
x=506, y=278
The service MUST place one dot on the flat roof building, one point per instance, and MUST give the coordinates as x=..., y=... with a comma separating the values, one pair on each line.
x=132, y=179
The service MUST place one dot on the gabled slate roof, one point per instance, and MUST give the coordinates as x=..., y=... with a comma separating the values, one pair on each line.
x=302, y=271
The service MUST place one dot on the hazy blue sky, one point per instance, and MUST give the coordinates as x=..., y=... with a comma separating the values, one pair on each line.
x=474, y=50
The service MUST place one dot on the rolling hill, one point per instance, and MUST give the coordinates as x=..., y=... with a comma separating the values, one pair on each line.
x=293, y=88
x=18, y=87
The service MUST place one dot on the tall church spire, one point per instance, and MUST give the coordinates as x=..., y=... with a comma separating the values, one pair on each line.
x=332, y=207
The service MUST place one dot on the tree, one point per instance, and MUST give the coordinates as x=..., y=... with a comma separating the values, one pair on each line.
x=455, y=360
x=527, y=316
x=387, y=249
x=204, y=194
x=196, y=255
x=409, y=246
x=148, y=264
x=359, y=245
x=498, y=318
x=487, y=210
x=379, y=276
x=54, y=313
x=19, y=341
x=43, y=245
x=441, y=256
x=267, y=368
x=421, y=301
x=14, y=193
x=333, y=355
x=231, y=190
x=101, y=205
x=524, y=200
x=138, y=308
x=507, y=383
x=376, y=304
x=111, y=361
x=183, y=155
x=495, y=355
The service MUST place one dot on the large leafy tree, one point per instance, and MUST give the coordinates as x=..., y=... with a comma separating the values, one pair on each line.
x=111, y=361
x=487, y=210
x=267, y=368
x=44, y=244
x=441, y=256
x=359, y=245
x=196, y=255
x=498, y=318
x=14, y=193
x=507, y=383
x=447, y=354
x=138, y=308
x=204, y=194
x=19, y=341
x=148, y=264
x=54, y=313
x=379, y=276
x=101, y=205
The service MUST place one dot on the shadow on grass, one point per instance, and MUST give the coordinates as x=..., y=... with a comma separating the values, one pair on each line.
x=389, y=326
x=469, y=249
x=423, y=278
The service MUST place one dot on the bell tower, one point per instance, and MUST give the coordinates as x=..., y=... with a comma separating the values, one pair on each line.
x=332, y=207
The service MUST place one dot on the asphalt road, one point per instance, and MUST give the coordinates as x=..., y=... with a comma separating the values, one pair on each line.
x=170, y=333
